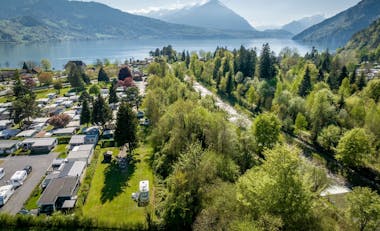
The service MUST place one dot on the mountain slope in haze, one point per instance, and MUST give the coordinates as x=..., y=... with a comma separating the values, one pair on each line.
x=365, y=43
x=300, y=25
x=212, y=14
x=46, y=20
x=336, y=31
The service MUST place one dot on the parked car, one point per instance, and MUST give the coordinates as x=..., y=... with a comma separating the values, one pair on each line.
x=28, y=169
x=2, y=173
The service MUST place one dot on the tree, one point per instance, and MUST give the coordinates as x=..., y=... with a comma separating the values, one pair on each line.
x=305, y=87
x=113, y=96
x=59, y=121
x=343, y=74
x=329, y=137
x=362, y=82
x=101, y=113
x=372, y=90
x=94, y=90
x=85, y=97
x=126, y=126
x=353, y=77
x=230, y=85
x=321, y=76
x=58, y=86
x=45, y=78
x=124, y=72
x=278, y=188
x=364, y=208
x=75, y=75
x=267, y=69
x=102, y=76
x=85, y=115
x=266, y=130
x=301, y=122
x=354, y=147
x=45, y=64
x=24, y=105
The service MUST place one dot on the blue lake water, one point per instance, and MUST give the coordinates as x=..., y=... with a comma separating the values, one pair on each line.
x=89, y=51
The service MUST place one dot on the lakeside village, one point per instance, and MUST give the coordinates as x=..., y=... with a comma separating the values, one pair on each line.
x=60, y=128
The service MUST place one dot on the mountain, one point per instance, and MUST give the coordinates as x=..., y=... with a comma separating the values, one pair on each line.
x=336, y=31
x=212, y=14
x=47, y=20
x=365, y=42
x=300, y=25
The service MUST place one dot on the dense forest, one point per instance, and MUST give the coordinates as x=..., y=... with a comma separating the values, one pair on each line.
x=218, y=176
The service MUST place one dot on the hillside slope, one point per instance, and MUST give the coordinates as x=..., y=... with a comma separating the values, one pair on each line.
x=336, y=31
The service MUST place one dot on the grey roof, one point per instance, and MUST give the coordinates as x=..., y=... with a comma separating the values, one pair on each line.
x=59, y=187
x=4, y=144
x=70, y=130
x=27, y=133
x=77, y=139
x=38, y=142
x=85, y=147
x=68, y=204
x=74, y=168
x=74, y=155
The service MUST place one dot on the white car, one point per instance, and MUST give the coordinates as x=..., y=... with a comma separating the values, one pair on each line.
x=2, y=173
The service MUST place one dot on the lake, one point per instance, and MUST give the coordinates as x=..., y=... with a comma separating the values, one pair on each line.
x=59, y=53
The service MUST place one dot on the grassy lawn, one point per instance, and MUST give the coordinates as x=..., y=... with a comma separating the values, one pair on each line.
x=31, y=203
x=43, y=93
x=61, y=149
x=109, y=199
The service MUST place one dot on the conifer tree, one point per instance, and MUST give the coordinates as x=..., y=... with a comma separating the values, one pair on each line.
x=353, y=77
x=362, y=81
x=321, y=76
x=102, y=76
x=267, y=70
x=305, y=87
x=85, y=115
x=101, y=113
x=113, y=96
x=126, y=126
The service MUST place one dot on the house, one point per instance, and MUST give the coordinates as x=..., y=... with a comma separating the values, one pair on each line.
x=9, y=146
x=65, y=131
x=77, y=140
x=38, y=126
x=27, y=133
x=81, y=153
x=51, y=95
x=9, y=133
x=5, y=113
x=56, y=193
x=43, y=101
x=74, y=124
x=108, y=134
x=73, y=169
x=94, y=130
x=4, y=124
x=40, y=120
x=40, y=145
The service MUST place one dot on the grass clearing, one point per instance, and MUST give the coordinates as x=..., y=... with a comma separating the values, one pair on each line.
x=44, y=93
x=109, y=199
x=31, y=203
x=61, y=149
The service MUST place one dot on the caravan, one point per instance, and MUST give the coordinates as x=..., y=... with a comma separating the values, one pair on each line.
x=5, y=193
x=18, y=178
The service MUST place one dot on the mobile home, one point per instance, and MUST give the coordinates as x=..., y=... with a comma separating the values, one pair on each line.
x=18, y=178
x=5, y=193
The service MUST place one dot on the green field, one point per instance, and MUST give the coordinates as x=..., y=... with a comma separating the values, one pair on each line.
x=43, y=93
x=109, y=199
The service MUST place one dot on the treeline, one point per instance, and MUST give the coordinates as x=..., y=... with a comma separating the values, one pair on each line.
x=216, y=176
x=320, y=97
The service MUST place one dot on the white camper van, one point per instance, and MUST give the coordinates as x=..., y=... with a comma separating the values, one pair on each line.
x=5, y=193
x=144, y=192
x=18, y=178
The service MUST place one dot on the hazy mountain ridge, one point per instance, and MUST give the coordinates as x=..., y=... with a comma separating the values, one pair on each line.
x=297, y=26
x=337, y=30
x=212, y=14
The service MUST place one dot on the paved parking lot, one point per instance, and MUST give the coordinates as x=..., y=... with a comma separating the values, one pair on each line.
x=39, y=163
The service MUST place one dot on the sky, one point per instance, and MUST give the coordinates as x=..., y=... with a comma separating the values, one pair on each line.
x=257, y=12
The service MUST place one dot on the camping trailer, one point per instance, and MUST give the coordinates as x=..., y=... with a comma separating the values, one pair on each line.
x=5, y=193
x=18, y=178
x=143, y=192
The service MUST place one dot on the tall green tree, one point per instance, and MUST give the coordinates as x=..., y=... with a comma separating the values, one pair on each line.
x=24, y=106
x=266, y=130
x=364, y=209
x=267, y=69
x=75, y=76
x=362, y=81
x=126, y=126
x=354, y=147
x=230, y=84
x=101, y=112
x=103, y=76
x=113, y=94
x=278, y=188
x=85, y=115
x=305, y=86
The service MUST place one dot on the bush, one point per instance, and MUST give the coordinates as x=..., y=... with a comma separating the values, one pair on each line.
x=63, y=139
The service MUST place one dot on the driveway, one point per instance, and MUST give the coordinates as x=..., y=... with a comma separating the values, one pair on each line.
x=39, y=163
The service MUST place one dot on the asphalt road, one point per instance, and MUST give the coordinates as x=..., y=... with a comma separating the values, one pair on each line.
x=39, y=163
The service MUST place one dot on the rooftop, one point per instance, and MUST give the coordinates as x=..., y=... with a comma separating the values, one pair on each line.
x=59, y=187
x=39, y=141
x=8, y=143
x=27, y=133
